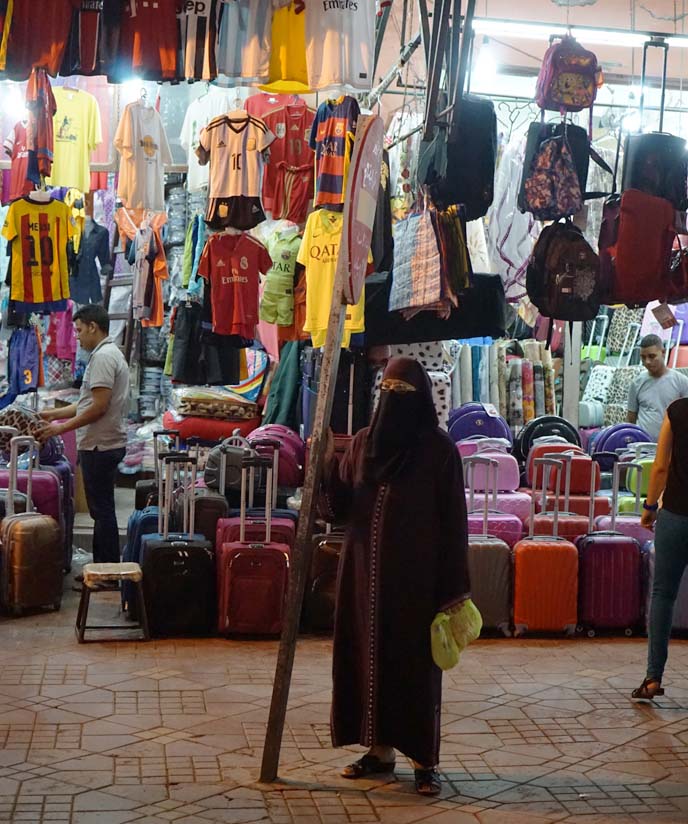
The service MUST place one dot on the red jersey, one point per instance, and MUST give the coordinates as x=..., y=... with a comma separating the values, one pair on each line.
x=231, y=264
x=291, y=126
x=17, y=150
x=148, y=41
x=261, y=104
x=38, y=35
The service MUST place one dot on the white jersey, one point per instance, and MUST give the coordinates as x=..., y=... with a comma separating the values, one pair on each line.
x=233, y=143
x=340, y=43
x=142, y=143
x=200, y=112
x=198, y=25
x=245, y=38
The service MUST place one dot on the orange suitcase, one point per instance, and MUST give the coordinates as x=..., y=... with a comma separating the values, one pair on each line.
x=546, y=575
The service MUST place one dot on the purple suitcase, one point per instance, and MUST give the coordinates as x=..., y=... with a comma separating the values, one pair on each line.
x=614, y=438
x=609, y=579
x=482, y=520
x=472, y=419
x=63, y=469
x=628, y=523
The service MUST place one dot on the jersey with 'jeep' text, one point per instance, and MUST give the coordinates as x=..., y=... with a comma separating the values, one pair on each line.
x=198, y=22
x=231, y=264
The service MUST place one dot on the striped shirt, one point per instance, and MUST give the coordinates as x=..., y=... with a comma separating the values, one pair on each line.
x=233, y=144
x=332, y=138
x=198, y=20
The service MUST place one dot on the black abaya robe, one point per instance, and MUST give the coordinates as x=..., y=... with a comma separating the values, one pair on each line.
x=404, y=559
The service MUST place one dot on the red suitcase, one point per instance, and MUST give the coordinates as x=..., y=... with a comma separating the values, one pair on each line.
x=570, y=525
x=482, y=520
x=31, y=547
x=545, y=577
x=252, y=578
x=549, y=445
x=578, y=504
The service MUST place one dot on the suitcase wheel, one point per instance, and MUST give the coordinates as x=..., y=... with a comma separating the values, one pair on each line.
x=628, y=632
x=579, y=629
x=591, y=633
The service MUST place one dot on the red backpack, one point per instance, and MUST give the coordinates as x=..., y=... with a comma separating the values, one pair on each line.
x=569, y=77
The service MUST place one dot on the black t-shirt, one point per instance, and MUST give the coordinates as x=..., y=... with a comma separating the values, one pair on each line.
x=675, y=495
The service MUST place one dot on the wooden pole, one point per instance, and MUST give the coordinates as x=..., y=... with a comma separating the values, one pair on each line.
x=359, y=212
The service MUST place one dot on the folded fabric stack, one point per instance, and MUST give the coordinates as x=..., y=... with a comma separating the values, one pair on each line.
x=212, y=402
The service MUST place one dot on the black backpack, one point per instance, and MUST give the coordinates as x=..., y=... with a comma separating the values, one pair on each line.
x=563, y=278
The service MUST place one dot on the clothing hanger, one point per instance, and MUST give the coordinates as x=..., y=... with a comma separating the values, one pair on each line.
x=39, y=196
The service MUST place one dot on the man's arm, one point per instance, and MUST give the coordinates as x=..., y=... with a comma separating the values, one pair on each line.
x=96, y=409
x=632, y=405
x=59, y=414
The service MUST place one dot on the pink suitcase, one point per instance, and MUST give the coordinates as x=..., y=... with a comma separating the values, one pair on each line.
x=628, y=523
x=545, y=576
x=508, y=473
x=506, y=527
x=253, y=576
x=511, y=503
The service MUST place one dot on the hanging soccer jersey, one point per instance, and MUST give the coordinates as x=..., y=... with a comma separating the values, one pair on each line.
x=288, y=69
x=39, y=233
x=81, y=52
x=38, y=35
x=17, y=150
x=148, y=39
x=231, y=264
x=319, y=253
x=263, y=103
x=340, y=43
x=198, y=23
x=200, y=112
x=233, y=144
x=244, y=42
x=277, y=302
x=77, y=132
x=291, y=147
x=332, y=138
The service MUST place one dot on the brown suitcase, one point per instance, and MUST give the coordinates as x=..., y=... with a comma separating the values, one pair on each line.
x=32, y=549
x=319, y=603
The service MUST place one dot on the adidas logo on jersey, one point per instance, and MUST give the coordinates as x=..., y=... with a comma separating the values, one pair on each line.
x=255, y=209
x=221, y=144
x=220, y=263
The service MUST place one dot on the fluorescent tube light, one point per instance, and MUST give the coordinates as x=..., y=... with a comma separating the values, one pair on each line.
x=539, y=31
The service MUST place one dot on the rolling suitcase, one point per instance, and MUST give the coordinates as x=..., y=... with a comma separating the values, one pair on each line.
x=31, y=547
x=146, y=492
x=483, y=521
x=209, y=505
x=609, y=580
x=627, y=523
x=569, y=524
x=178, y=568
x=546, y=576
x=252, y=578
x=490, y=566
x=499, y=449
x=577, y=504
x=580, y=472
x=321, y=587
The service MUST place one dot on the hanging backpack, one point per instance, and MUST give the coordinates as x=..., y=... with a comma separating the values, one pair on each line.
x=569, y=77
x=552, y=188
x=563, y=278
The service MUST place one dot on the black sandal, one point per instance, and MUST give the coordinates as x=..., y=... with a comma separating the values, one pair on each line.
x=428, y=781
x=647, y=693
x=368, y=765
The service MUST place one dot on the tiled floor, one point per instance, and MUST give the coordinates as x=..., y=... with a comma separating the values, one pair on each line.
x=172, y=731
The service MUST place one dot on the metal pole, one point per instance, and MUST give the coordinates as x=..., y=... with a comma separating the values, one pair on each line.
x=573, y=341
x=388, y=79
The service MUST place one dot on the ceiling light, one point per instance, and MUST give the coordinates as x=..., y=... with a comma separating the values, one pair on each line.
x=538, y=31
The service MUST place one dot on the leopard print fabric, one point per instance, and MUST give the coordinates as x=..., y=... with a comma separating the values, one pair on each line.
x=26, y=422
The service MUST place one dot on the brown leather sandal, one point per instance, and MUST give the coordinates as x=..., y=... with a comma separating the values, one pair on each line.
x=368, y=765
x=645, y=692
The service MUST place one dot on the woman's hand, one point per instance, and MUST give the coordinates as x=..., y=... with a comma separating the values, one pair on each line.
x=648, y=518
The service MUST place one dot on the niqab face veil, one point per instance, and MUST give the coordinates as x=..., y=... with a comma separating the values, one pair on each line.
x=399, y=421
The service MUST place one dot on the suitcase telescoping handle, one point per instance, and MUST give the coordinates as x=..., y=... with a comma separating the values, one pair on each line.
x=604, y=320
x=162, y=433
x=491, y=472
x=547, y=465
x=251, y=462
x=275, y=445
x=567, y=459
x=630, y=340
x=658, y=43
x=15, y=445
x=630, y=466
x=169, y=463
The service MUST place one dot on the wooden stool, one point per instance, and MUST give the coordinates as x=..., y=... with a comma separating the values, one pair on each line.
x=97, y=577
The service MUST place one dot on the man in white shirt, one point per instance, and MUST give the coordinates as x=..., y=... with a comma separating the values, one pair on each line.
x=651, y=394
x=100, y=418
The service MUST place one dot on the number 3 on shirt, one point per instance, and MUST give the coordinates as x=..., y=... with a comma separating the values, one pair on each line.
x=28, y=377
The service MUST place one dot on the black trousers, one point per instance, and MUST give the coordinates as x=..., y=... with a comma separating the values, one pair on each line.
x=99, y=468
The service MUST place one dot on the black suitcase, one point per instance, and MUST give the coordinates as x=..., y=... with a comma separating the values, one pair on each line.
x=656, y=163
x=146, y=492
x=321, y=589
x=179, y=570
